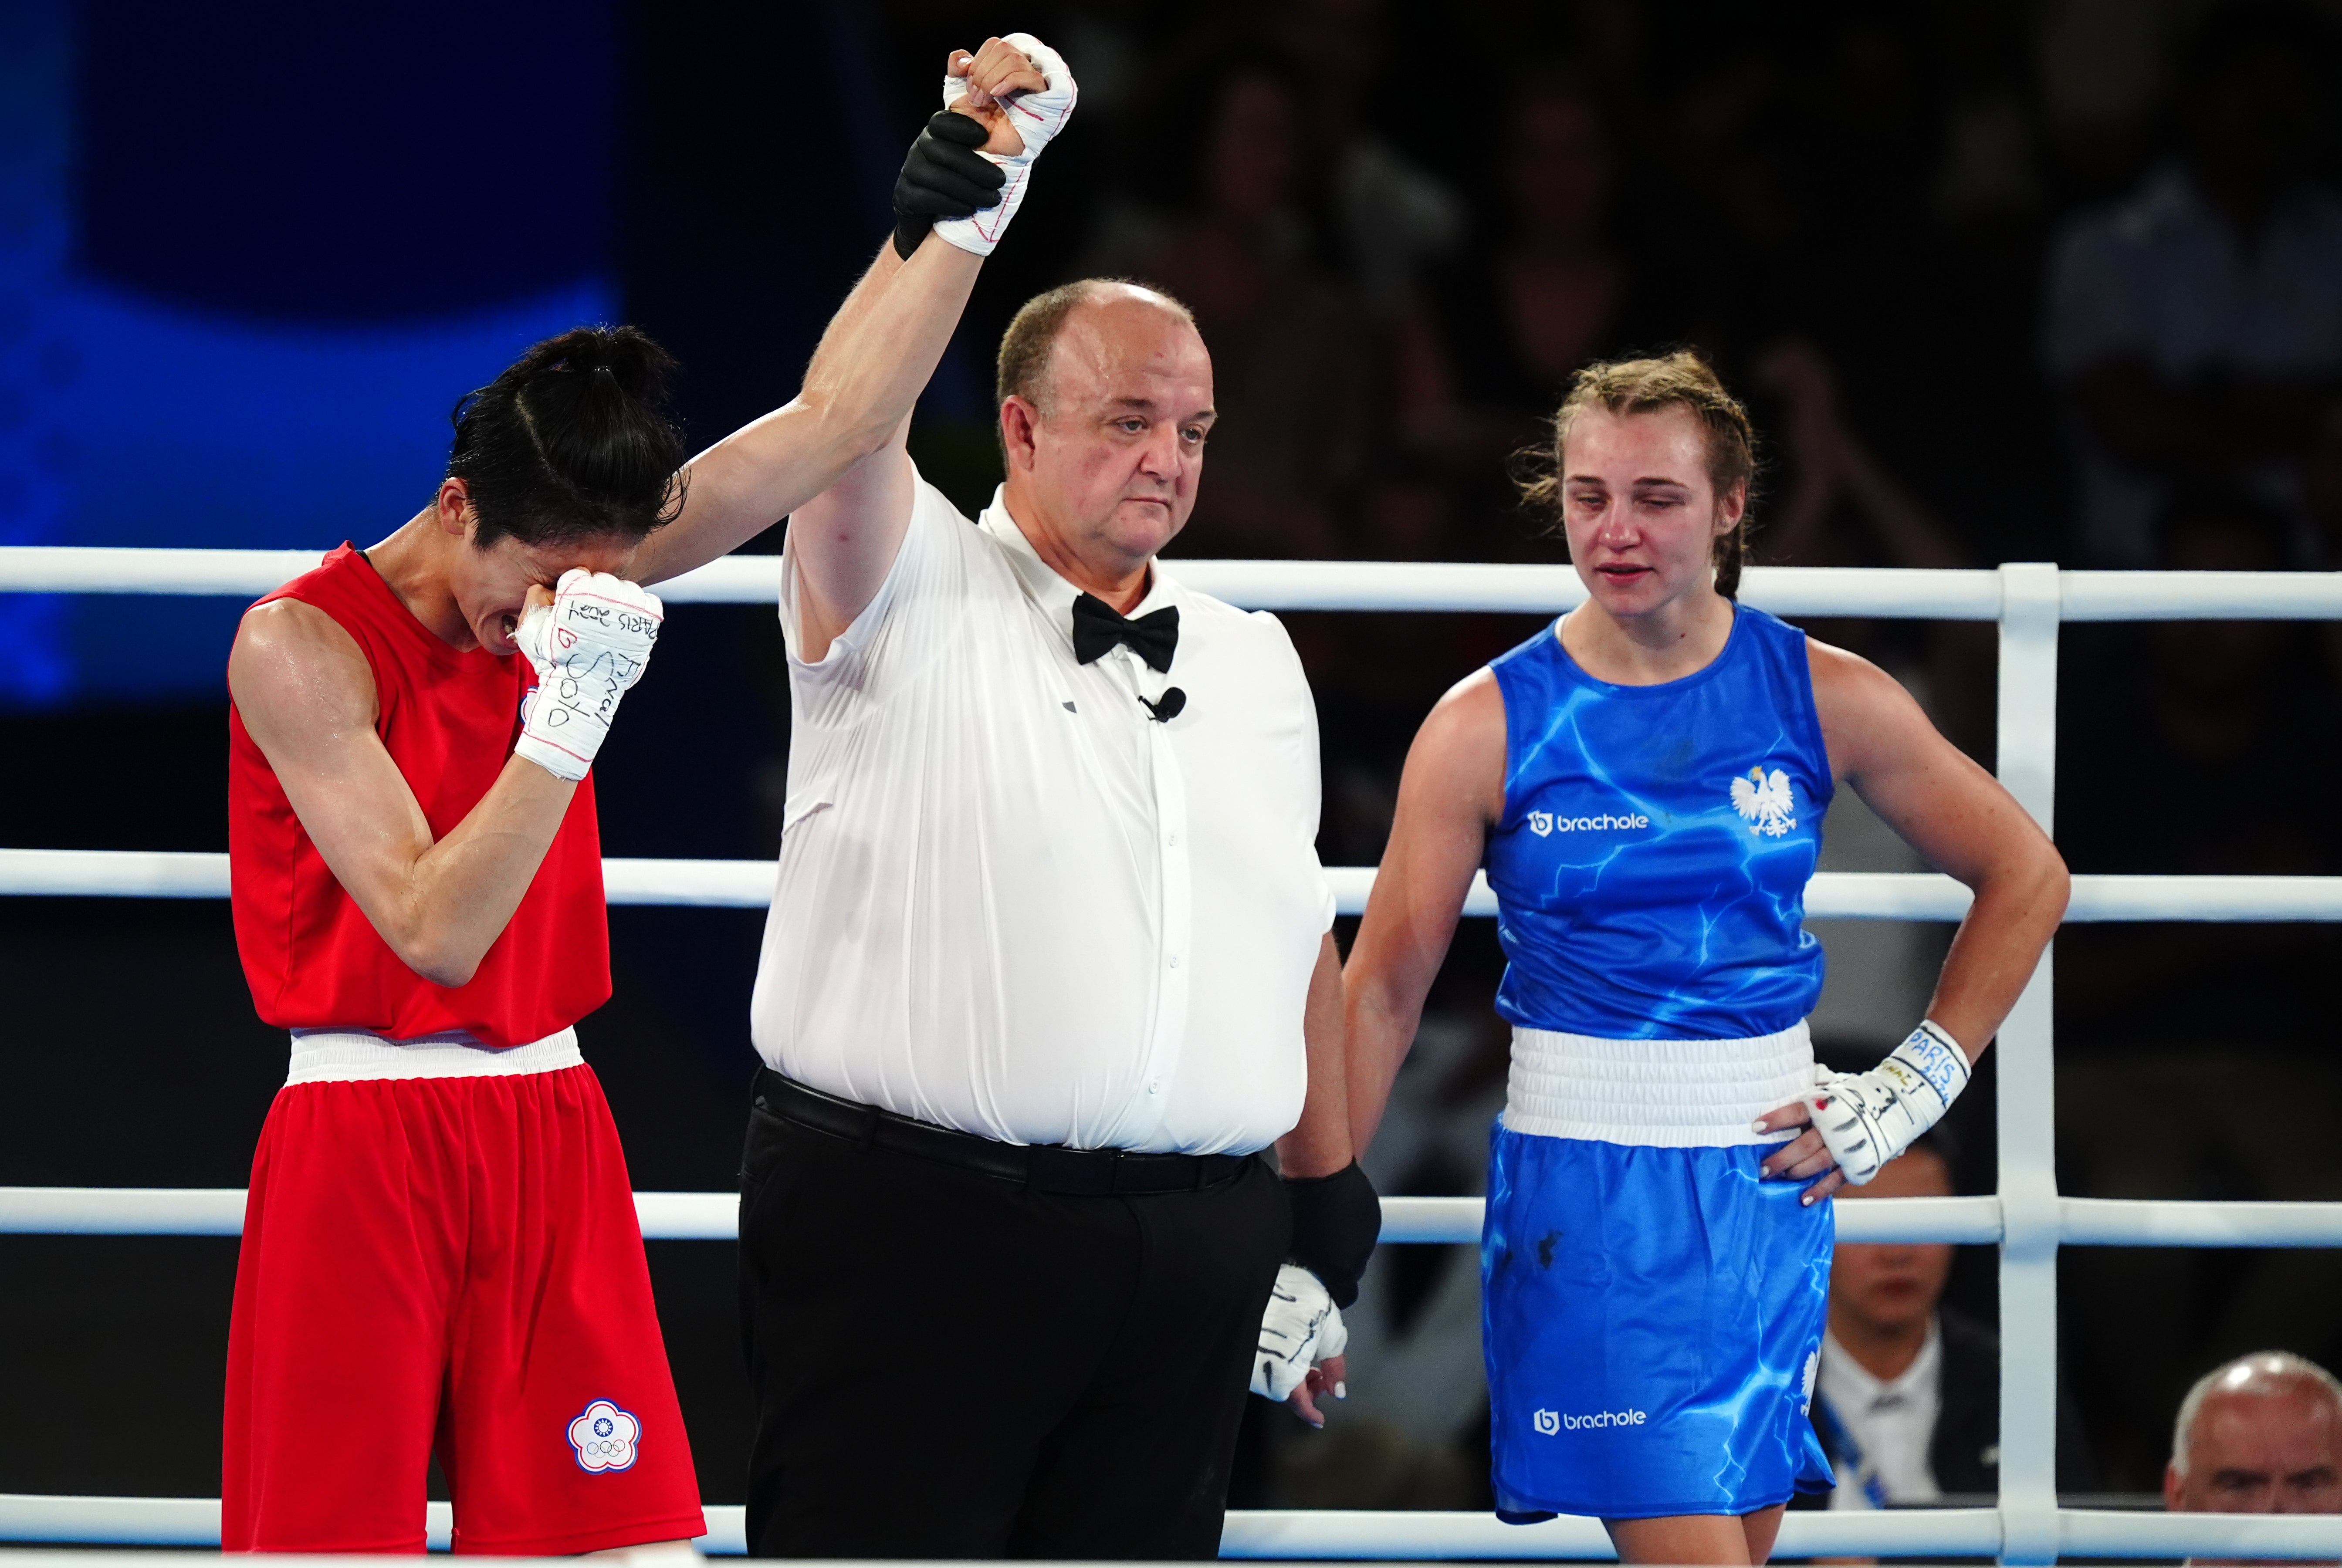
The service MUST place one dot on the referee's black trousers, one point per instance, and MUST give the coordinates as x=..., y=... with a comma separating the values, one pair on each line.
x=947, y=1363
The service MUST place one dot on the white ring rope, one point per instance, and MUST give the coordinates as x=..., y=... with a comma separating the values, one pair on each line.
x=1891, y=592
x=2029, y=1218
x=712, y=1217
x=1353, y=1534
x=748, y=884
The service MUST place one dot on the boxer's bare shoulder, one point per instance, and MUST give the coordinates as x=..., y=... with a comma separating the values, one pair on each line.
x=294, y=671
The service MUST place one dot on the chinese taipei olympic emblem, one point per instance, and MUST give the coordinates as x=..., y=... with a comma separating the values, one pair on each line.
x=605, y=1438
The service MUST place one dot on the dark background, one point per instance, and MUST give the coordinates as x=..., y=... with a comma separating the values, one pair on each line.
x=1856, y=211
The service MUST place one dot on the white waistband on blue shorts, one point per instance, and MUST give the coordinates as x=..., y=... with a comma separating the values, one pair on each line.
x=355, y=1056
x=1671, y=1094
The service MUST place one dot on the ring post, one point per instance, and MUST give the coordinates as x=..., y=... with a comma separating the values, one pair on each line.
x=2026, y=755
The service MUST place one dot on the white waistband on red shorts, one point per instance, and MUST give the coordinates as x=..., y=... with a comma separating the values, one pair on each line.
x=1670, y=1093
x=353, y=1056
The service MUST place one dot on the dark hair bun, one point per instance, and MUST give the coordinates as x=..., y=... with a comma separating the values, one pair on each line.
x=573, y=441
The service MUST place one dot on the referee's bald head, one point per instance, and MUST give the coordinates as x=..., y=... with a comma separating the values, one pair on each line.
x=1029, y=346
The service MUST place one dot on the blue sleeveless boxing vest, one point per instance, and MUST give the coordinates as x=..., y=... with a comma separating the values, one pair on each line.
x=1652, y=1313
x=1651, y=867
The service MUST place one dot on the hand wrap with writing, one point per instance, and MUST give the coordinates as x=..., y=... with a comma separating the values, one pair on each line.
x=588, y=646
x=1038, y=117
x=1868, y=1118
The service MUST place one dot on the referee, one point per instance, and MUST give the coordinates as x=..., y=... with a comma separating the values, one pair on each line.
x=1049, y=966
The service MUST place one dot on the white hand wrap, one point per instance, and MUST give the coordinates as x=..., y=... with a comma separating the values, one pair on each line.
x=588, y=646
x=1038, y=117
x=1868, y=1118
x=1301, y=1328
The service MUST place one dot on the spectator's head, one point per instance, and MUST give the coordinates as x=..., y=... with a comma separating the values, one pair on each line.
x=1406, y=514
x=1337, y=47
x=2220, y=530
x=1248, y=167
x=1105, y=395
x=2216, y=529
x=1558, y=166
x=2262, y=1434
x=1887, y=1288
x=1650, y=468
x=2252, y=89
x=1731, y=127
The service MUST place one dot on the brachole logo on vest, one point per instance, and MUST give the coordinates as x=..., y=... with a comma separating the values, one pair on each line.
x=1543, y=823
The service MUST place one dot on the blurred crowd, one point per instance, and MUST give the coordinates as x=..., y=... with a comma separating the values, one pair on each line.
x=2001, y=280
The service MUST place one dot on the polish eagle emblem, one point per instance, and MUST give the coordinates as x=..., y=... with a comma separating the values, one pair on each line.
x=1763, y=799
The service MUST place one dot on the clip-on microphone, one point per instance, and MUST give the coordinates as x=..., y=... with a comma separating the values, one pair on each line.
x=1167, y=707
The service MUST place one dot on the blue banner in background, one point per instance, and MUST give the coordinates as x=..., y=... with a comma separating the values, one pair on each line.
x=249, y=261
x=35, y=360
x=196, y=432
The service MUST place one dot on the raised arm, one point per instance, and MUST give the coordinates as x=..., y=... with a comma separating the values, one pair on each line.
x=1450, y=795
x=874, y=360
x=306, y=697
x=878, y=350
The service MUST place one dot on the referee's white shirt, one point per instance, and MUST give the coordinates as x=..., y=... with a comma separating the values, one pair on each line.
x=1013, y=904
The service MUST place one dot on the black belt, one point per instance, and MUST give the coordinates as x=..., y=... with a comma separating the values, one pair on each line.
x=1044, y=1167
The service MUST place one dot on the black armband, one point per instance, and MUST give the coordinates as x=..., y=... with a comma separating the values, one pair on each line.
x=1335, y=1221
x=944, y=177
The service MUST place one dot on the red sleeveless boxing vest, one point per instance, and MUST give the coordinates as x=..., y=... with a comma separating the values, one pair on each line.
x=448, y=720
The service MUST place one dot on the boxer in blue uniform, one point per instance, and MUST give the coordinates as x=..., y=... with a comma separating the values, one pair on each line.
x=1645, y=782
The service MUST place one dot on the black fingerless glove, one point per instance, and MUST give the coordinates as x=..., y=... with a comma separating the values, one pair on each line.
x=944, y=177
x=1335, y=1220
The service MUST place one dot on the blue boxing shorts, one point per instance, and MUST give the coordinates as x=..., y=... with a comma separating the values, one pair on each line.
x=1652, y=1315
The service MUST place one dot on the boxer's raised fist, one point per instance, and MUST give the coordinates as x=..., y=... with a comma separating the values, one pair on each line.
x=981, y=85
x=1020, y=90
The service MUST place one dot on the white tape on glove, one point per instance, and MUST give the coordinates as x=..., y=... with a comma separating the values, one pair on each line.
x=1038, y=117
x=589, y=645
x=1868, y=1118
x=1301, y=1328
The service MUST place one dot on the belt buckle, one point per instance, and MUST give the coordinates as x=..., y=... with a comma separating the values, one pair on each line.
x=1047, y=1166
x=1076, y=1173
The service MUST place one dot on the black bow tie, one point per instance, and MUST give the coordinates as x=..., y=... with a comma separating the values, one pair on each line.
x=1096, y=629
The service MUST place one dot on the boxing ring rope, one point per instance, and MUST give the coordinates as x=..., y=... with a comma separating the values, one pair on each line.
x=1422, y=1535
x=748, y=884
x=711, y=1216
x=2028, y=1217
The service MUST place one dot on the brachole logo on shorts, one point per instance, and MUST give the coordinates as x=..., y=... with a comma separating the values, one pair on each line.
x=1550, y=1421
x=1544, y=824
x=605, y=1438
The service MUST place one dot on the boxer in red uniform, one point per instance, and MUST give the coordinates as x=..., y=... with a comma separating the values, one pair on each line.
x=440, y=1247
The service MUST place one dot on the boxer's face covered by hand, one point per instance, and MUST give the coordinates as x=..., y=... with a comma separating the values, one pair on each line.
x=1109, y=462
x=493, y=586
x=509, y=576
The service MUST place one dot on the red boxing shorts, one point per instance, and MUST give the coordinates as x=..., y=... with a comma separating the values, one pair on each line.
x=450, y=1263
